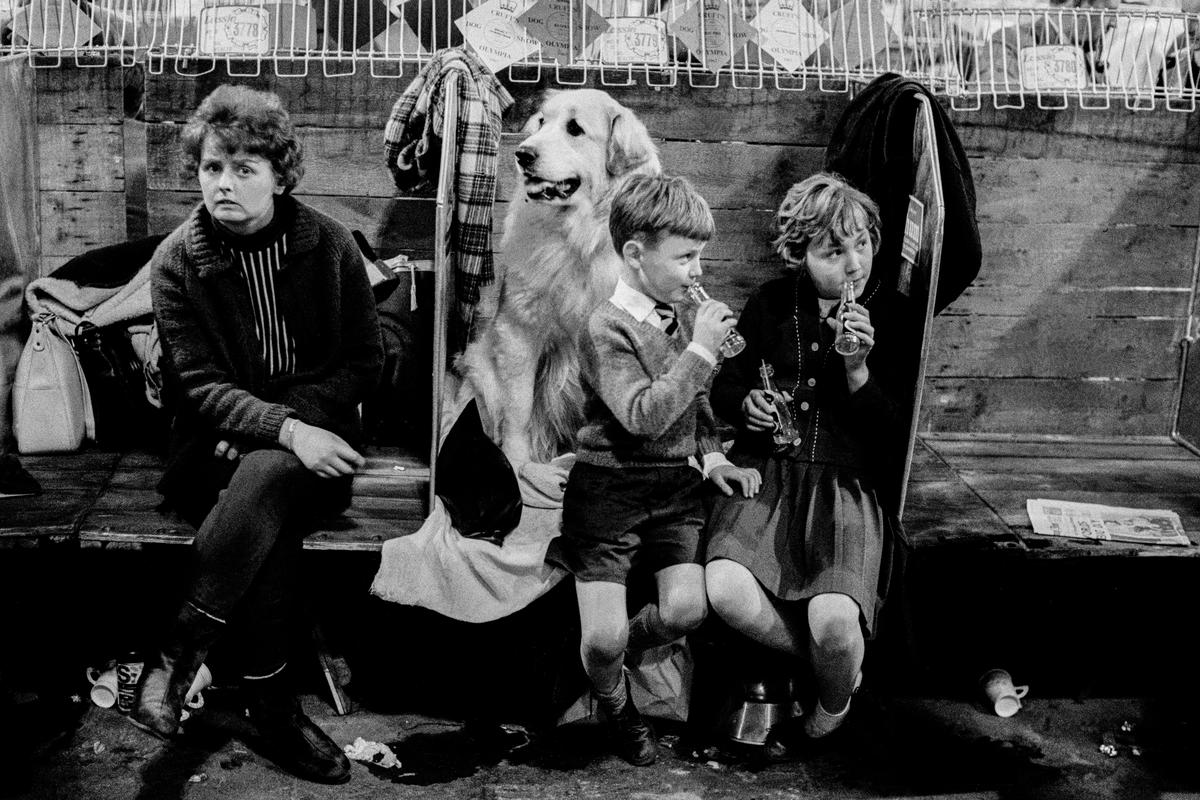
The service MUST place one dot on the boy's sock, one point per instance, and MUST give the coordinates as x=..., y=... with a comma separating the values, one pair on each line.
x=614, y=699
x=647, y=630
x=633, y=738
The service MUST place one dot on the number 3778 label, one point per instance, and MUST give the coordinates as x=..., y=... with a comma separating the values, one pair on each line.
x=234, y=29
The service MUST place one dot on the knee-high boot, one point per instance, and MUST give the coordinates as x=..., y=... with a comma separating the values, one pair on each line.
x=165, y=681
x=289, y=737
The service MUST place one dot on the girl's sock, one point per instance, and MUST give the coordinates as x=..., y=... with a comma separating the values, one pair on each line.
x=820, y=722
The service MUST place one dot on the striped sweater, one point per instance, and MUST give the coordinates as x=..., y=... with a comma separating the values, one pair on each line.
x=260, y=257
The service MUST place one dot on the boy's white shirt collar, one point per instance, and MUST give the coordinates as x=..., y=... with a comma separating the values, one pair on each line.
x=640, y=306
x=637, y=304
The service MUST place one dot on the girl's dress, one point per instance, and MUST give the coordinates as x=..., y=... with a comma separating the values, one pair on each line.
x=818, y=524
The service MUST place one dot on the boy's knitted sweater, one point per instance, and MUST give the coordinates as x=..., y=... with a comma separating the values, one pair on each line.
x=647, y=394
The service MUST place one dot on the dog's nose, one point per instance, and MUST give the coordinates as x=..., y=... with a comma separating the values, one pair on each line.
x=525, y=157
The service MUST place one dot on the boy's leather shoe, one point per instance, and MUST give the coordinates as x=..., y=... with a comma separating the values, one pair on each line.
x=633, y=739
x=290, y=738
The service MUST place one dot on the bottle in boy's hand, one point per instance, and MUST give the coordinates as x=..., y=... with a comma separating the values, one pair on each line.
x=733, y=342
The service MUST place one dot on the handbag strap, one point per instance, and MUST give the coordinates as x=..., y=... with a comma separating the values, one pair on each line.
x=52, y=323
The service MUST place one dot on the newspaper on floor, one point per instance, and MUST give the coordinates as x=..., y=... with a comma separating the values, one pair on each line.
x=1105, y=523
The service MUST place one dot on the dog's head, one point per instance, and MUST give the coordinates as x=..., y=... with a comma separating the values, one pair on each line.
x=581, y=139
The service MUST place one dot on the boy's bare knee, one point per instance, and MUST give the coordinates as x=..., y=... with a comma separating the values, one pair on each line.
x=604, y=645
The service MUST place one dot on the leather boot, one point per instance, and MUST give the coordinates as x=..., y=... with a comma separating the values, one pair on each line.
x=289, y=737
x=633, y=739
x=165, y=681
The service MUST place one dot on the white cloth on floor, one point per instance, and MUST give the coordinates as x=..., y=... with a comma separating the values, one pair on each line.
x=661, y=684
x=471, y=579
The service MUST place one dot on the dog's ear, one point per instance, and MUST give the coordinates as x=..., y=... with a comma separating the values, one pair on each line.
x=629, y=145
x=531, y=122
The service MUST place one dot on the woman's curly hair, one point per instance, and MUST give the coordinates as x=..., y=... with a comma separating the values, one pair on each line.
x=821, y=205
x=248, y=120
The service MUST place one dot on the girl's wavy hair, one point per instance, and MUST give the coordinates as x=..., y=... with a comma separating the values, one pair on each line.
x=246, y=119
x=822, y=205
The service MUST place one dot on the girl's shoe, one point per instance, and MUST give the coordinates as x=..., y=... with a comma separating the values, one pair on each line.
x=819, y=722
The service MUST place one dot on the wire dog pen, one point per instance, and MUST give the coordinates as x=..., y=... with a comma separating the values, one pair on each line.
x=1140, y=56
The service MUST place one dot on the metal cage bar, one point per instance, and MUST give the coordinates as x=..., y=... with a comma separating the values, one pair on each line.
x=1051, y=56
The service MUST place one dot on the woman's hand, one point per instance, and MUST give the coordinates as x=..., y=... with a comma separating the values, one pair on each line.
x=745, y=477
x=759, y=409
x=857, y=320
x=226, y=449
x=323, y=452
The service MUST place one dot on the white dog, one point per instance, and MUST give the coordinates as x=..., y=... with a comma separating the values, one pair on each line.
x=558, y=264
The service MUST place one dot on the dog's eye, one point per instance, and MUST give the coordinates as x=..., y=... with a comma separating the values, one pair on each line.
x=573, y=128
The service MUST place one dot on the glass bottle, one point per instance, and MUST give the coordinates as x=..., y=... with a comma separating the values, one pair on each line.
x=785, y=433
x=733, y=343
x=846, y=342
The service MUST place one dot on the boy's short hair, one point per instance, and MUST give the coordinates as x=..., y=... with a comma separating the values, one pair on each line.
x=250, y=120
x=822, y=204
x=649, y=207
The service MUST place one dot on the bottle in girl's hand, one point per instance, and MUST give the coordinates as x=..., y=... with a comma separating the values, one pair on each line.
x=846, y=342
x=785, y=433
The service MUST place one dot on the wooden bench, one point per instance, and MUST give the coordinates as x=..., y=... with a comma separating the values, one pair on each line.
x=969, y=490
x=100, y=499
x=965, y=517
x=966, y=490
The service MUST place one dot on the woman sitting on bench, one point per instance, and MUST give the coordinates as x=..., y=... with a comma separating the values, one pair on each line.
x=270, y=342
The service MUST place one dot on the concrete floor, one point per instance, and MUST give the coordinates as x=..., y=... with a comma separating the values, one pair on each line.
x=904, y=747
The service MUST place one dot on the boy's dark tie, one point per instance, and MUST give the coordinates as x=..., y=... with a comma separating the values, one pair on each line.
x=666, y=313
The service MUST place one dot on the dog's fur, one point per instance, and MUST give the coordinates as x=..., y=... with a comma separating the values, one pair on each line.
x=558, y=264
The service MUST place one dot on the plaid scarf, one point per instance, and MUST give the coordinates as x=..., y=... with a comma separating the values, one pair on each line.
x=413, y=149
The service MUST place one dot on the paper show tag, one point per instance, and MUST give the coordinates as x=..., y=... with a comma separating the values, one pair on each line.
x=1053, y=67
x=788, y=33
x=234, y=29
x=632, y=40
x=564, y=28
x=911, y=246
x=493, y=32
x=724, y=32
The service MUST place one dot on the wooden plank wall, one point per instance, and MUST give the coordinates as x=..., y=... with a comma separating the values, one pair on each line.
x=1088, y=218
x=80, y=116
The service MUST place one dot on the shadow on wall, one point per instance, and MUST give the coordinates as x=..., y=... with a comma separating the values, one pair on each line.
x=1073, y=324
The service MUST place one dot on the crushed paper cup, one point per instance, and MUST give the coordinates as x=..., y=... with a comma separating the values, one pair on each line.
x=380, y=755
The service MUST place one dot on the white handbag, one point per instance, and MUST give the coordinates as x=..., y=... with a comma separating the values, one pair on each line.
x=51, y=405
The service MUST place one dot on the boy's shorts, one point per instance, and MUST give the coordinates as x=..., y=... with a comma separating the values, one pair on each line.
x=616, y=519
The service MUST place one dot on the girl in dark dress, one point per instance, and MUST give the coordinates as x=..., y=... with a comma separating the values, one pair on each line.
x=798, y=567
